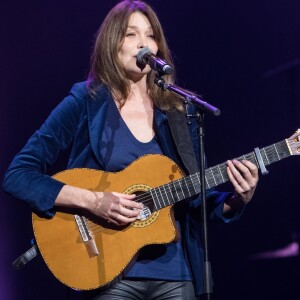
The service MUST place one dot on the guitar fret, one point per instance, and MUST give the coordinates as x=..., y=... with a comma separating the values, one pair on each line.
x=193, y=184
x=171, y=191
x=213, y=176
x=285, y=151
x=264, y=157
x=223, y=168
x=162, y=197
x=180, y=186
x=187, y=185
x=152, y=191
x=264, y=149
x=157, y=197
x=165, y=193
x=210, y=178
x=220, y=172
x=175, y=191
x=184, y=188
x=255, y=160
x=196, y=183
x=276, y=151
x=251, y=157
x=218, y=175
x=207, y=183
x=153, y=198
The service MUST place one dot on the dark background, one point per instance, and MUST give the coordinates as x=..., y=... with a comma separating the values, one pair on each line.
x=242, y=56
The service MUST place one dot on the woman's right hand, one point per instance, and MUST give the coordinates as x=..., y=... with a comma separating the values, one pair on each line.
x=116, y=208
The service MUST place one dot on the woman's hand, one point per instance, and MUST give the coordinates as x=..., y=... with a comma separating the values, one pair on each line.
x=116, y=208
x=244, y=177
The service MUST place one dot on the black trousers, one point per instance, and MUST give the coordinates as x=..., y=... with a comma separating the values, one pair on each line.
x=145, y=290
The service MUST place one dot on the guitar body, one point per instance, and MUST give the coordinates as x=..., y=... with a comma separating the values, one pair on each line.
x=61, y=244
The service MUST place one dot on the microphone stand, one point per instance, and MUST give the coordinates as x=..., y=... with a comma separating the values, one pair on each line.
x=202, y=106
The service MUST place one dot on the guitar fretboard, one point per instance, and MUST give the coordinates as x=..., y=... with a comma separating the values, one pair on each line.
x=186, y=187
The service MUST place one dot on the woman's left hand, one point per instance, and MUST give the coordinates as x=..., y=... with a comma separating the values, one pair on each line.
x=244, y=177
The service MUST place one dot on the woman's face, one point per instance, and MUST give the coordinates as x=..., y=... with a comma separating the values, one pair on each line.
x=139, y=34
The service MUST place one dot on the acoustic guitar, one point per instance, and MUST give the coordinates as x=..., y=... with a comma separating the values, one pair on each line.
x=86, y=253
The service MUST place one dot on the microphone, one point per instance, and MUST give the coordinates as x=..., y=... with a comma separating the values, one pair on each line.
x=145, y=56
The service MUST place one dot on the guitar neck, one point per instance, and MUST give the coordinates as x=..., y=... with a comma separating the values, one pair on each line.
x=183, y=188
x=217, y=175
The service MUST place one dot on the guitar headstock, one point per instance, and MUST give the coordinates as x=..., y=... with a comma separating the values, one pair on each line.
x=294, y=143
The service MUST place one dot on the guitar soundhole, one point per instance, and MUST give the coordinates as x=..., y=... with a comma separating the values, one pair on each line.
x=147, y=216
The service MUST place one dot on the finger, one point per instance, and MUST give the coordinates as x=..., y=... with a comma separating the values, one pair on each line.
x=124, y=196
x=245, y=174
x=241, y=168
x=252, y=168
x=236, y=184
x=119, y=219
x=126, y=200
x=127, y=208
x=129, y=213
x=249, y=172
x=236, y=175
x=130, y=204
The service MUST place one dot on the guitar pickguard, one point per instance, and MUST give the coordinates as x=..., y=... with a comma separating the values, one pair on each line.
x=147, y=215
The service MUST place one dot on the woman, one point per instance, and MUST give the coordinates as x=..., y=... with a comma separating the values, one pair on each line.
x=115, y=117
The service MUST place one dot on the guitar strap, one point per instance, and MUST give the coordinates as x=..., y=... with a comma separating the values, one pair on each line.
x=182, y=138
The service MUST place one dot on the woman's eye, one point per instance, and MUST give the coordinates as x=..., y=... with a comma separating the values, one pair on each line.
x=129, y=34
x=151, y=36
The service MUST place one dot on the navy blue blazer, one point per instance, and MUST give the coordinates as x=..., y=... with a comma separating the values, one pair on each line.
x=78, y=121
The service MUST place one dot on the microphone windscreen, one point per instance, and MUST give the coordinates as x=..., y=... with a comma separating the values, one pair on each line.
x=141, y=56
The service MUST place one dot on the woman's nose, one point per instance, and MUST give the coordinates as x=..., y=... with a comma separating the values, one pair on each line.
x=142, y=42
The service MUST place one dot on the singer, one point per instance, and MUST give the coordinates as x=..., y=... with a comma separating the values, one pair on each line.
x=112, y=119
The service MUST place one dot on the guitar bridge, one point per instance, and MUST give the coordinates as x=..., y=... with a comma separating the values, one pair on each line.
x=86, y=236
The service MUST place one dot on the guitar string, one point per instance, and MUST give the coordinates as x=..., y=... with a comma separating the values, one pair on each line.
x=174, y=186
x=146, y=198
x=210, y=177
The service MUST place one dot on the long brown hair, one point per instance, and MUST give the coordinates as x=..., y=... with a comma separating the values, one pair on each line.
x=105, y=65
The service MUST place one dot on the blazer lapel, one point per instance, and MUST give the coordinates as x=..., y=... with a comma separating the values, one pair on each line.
x=164, y=136
x=96, y=111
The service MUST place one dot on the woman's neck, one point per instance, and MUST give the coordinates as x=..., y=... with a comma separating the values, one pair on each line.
x=139, y=91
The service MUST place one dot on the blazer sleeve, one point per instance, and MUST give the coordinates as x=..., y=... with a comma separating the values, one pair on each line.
x=26, y=177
